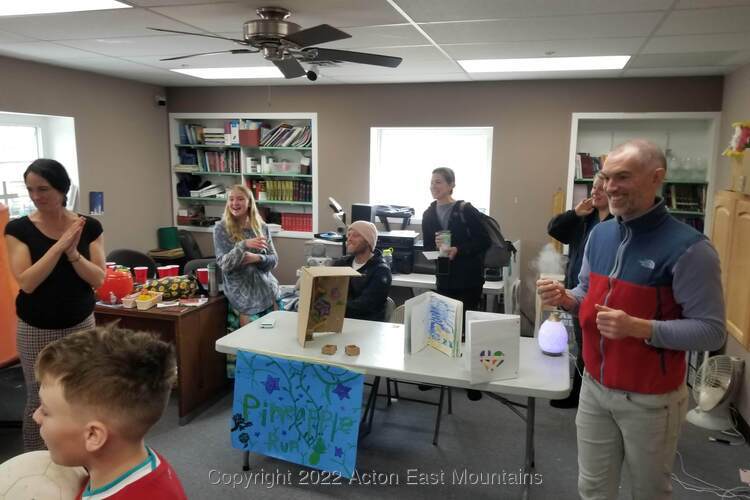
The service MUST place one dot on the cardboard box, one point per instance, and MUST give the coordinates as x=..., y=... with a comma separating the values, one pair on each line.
x=740, y=174
x=322, y=303
x=250, y=137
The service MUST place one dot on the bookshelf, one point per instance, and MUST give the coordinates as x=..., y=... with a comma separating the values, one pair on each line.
x=689, y=139
x=282, y=177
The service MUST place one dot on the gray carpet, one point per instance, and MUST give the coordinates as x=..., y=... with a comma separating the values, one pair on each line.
x=480, y=437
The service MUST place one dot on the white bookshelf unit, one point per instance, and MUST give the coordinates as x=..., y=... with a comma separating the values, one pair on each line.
x=289, y=174
x=689, y=139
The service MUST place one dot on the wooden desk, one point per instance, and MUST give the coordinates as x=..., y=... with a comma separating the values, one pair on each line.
x=201, y=371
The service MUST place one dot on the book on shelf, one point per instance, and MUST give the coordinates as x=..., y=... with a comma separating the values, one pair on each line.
x=286, y=135
x=187, y=169
x=207, y=192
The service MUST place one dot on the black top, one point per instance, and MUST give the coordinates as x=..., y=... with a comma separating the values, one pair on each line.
x=367, y=294
x=572, y=230
x=64, y=299
x=469, y=236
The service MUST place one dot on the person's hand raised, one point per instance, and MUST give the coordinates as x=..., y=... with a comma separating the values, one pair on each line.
x=585, y=207
x=258, y=243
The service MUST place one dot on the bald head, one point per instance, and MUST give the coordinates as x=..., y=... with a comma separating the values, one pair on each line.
x=644, y=153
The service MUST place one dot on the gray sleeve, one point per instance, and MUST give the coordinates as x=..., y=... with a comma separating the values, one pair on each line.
x=229, y=254
x=579, y=292
x=268, y=261
x=696, y=286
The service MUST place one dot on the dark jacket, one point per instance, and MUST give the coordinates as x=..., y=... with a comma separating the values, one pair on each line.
x=368, y=293
x=469, y=236
x=572, y=230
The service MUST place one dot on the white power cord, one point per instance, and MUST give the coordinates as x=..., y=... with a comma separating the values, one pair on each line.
x=742, y=492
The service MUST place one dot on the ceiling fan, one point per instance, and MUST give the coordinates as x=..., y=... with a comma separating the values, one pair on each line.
x=286, y=45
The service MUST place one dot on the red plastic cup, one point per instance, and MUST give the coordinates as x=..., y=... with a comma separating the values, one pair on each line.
x=202, y=275
x=163, y=271
x=174, y=270
x=141, y=274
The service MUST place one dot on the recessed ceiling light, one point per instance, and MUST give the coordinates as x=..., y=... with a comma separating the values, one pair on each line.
x=232, y=73
x=544, y=64
x=27, y=7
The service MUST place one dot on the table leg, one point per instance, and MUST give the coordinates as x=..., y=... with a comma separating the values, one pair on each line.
x=528, y=463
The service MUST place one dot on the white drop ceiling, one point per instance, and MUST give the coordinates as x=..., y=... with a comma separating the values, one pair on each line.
x=664, y=37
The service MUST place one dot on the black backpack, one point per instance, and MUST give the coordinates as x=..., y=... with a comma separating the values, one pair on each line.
x=501, y=250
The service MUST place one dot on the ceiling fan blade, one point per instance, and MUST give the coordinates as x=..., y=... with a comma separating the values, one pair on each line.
x=233, y=51
x=236, y=40
x=322, y=33
x=355, y=57
x=290, y=67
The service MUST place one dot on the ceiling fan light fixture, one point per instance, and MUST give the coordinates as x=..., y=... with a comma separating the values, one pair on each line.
x=232, y=73
x=30, y=7
x=543, y=64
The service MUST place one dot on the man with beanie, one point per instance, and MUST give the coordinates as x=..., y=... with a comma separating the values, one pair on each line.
x=368, y=292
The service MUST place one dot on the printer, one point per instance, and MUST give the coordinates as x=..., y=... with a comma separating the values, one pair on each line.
x=402, y=242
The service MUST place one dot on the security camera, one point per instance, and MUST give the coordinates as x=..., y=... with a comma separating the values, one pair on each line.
x=312, y=76
x=160, y=100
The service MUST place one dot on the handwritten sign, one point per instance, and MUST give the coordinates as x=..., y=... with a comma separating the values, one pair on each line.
x=305, y=413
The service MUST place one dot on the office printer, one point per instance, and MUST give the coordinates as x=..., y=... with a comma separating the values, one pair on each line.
x=402, y=242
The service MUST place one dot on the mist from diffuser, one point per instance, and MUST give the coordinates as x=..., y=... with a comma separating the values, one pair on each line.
x=553, y=337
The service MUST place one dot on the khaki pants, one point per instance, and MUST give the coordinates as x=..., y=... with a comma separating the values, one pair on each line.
x=639, y=429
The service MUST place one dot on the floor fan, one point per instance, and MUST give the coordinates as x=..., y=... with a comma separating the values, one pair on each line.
x=716, y=382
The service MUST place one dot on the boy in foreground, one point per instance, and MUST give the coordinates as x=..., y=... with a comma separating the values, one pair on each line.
x=101, y=390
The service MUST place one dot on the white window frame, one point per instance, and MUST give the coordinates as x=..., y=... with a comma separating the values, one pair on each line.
x=39, y=149
x=376, y=134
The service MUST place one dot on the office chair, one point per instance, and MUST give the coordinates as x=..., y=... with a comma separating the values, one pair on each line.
x=397, y=316
x=133, y=258
x=190, y=246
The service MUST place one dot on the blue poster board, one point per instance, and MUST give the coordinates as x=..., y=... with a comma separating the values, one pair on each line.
x=306, y=413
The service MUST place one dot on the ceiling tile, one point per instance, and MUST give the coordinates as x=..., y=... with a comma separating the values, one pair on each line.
x=439, y=77
x=228, y=17
x=94, y=24
x=152, y=45
x=697, y=43
x=560, y=48
x=403, y=35
x=546, y=28
x=680, y=60
x=705, y=4
x=42, y=51
x=10, y=38
x=166, y=3
x=687, y=71
x=739, y=58
x=444, y=10
x=723, y=20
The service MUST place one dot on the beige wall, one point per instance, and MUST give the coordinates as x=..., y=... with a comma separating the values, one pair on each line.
x=531, y=121
x=736, y=107
x=122, y=142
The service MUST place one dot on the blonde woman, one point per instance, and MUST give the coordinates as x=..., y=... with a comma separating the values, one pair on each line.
x=246, y=256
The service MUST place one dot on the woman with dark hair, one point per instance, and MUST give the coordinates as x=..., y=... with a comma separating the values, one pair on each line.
x=468, y=240
x=57, y=257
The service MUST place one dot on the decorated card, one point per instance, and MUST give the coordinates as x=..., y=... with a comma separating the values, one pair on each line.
x=433, y=320
x=492, y=346
x=306, y=413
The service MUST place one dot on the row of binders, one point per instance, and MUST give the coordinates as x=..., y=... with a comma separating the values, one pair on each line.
x=286, y=135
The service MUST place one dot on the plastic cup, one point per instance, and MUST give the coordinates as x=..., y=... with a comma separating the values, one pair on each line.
x=202, y=274
x=141, y=274
x=174, y=270
x=162, y=271
x=444, y=242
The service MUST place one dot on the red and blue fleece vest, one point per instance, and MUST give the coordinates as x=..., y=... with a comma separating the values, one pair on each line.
x=631, y=265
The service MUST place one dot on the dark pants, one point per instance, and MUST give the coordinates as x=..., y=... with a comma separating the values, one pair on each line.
x=469, y=297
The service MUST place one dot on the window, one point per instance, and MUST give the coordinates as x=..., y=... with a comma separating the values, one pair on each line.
x=402, y=160
x=19, y=146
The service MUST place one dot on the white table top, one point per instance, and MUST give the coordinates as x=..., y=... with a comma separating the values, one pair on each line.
x=382, y=354
x=416, y=280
